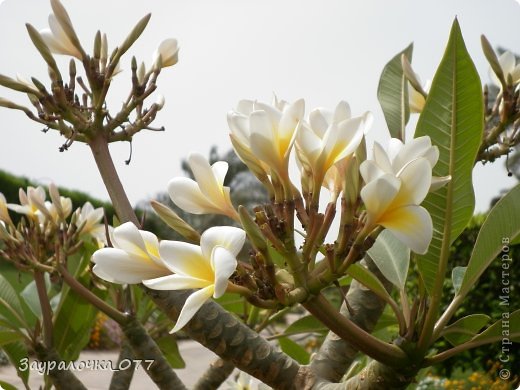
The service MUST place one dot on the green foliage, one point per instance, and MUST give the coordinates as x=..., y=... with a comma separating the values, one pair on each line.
x=501, y=227
x=483, y=298
x=392, y=258
x=465, y=328
x=453, y=118
x=392, y=93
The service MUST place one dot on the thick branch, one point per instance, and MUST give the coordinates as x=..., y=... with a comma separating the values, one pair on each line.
x=215, y=375
x=122, y=206
x=336, y=355
x=145, y=348
x=61, y=378
x=233, y=341
x=121, y=379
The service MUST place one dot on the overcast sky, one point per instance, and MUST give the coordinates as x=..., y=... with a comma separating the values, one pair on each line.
x=323, y=51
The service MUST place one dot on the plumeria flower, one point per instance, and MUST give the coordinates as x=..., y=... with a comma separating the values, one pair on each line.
x=29, y=202
x=330, y=137
x=167, y=54
x=510, y=68
x=88, y=219
x=399, y=155
x=56, y=37
x=266, y=132
x=205, y=194
x=133, y=258
x=4, y=213
x=206, y=267
x=393, y=202
x=416, y=99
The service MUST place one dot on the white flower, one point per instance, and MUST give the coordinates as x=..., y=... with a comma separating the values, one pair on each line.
x=206, y=267
x=205, y=194
x=266, y=132
x=398, y=156
x=133, y=258
x=416, y=99
x=509, y=67
x=56, y=38
x=88, y=219
x=396, y=184
x=393, y=202
x=329, y=138
x=4, y=213
x=167, y=54
x=30, y=202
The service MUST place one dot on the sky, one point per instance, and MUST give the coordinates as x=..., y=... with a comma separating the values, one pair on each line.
x=322, y=51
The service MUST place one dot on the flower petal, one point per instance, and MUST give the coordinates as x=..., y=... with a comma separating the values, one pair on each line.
x=342, y=111
x=507, y=62
x=379, y=194
x=370, y=171
x=416, y=178
x=229, y=237
x=417, y=147
x=205, y=178
x=175, y=282
x=127, y=238
x=224, y=263
x=239, y=126
x=439, y=182
x=191, y=306
x=381, y=158
x=186, y=259
x=186, y=194
x=309, y=144
x=412, y=225
x=319, y=119
x=117, y=266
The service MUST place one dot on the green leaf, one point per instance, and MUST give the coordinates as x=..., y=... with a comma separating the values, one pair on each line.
x=8, y=336
x=16, y=352
x=457, y=274
x=7, y=386
x=501, y=226
x=453, y=118
x=9, y=303
x=391, y=257
x=170, y=349
x=368, y=279
x=294, y=350
x=386, y=320
x=392, y=93
x=30, y=296
x=232, y=302
x=307, y=324
x=506, y=328
x=465, y=328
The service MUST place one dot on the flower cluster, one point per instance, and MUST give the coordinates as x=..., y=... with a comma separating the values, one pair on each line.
x=138, y=257
x=331, y=152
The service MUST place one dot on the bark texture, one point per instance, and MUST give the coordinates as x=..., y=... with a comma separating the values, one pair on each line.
x=233, y=341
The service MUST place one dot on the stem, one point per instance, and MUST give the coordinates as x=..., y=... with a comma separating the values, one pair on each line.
x=446, y=316
x=45, y=306
x=336, y=355
x=122, y=206
x=459, y=348
x=90, y=297
x=386, y=353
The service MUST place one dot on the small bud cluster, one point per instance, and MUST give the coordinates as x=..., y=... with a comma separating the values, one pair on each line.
x=77, y=108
